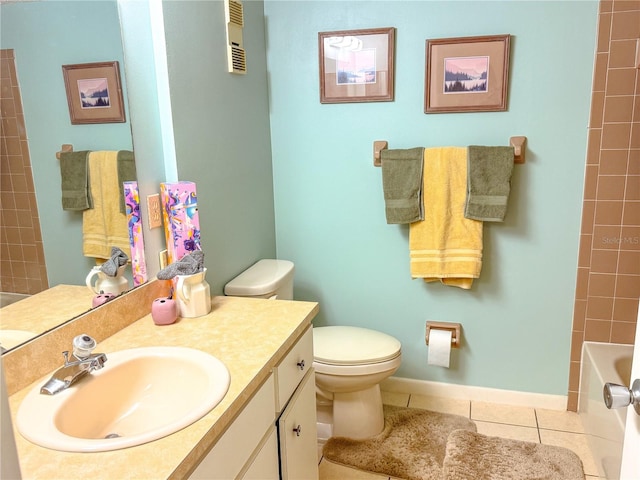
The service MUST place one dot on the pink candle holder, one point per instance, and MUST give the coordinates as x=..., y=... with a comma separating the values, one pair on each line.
x=164, y=311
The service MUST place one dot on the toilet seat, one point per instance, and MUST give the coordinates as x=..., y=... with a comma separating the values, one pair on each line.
x=344, y=346
x=357, y=370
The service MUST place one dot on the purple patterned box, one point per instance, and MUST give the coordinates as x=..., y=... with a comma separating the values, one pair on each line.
x=181, y=221
x=134, y=223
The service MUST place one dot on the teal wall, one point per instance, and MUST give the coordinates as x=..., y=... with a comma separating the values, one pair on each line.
x=328, y=197
x=45, y=36
x=221, y=129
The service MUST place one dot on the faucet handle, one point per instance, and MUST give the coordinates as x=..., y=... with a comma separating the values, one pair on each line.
x=83, y=345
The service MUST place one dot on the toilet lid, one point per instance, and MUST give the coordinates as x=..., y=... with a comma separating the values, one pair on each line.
x=353, y=346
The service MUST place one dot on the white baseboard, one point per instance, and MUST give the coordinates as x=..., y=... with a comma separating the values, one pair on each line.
x=478, y=394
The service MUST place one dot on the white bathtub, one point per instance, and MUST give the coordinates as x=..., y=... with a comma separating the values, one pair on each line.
x=602, y=363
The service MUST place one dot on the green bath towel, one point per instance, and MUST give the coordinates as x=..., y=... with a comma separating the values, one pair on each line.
x=488, y=182
x=126, y=173
x=402, y=184
x=74, y=173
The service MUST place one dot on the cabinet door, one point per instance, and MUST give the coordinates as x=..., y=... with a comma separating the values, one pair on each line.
x=229, y=455
x=297, y=433
x=265, y=465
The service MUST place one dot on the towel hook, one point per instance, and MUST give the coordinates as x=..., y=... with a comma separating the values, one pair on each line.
x=519, y=145
x=378, y=146
x=66, y=147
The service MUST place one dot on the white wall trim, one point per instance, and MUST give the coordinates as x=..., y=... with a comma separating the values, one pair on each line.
x=478, y=394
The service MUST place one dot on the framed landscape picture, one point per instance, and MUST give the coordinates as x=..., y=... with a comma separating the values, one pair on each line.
x=467, y=74
x=356, y=65
x=94, y=92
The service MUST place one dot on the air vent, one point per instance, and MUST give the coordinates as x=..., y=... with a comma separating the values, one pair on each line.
x=236, y=15
x=236, y=58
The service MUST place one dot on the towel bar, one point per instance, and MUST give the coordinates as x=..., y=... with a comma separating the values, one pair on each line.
x=519, y=144
x=66, y=147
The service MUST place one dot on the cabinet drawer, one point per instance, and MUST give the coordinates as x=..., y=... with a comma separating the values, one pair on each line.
x=293, y=367
x=229, y=455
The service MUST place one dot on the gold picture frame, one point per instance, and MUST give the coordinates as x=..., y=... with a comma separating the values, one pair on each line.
x=357, y=65
x=467, y=74
x=94, y=92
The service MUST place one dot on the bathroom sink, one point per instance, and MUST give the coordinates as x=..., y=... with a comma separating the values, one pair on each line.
x=140, y=395
x=13, y=338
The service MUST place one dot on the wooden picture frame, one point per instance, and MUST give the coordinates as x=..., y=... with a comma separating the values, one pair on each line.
x=480, y=80
x=94, y=92
x=357, y=65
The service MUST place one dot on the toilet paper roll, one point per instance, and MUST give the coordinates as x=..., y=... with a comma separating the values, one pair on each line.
x=439, y=347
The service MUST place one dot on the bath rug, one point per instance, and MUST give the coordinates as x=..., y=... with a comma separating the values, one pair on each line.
x=473, y=456
x=411, y=446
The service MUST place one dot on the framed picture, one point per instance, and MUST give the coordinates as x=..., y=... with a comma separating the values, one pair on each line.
x=467, y=74
x=356, y=65
x=94, y=92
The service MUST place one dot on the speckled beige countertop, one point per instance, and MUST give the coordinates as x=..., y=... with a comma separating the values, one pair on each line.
x=249, y=335
x=46, y=310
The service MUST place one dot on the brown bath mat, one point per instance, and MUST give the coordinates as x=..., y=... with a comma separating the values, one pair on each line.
x=411, y=446
x=472, y=456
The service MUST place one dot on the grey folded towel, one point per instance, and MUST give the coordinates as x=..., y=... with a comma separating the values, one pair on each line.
x=74, y=172
x=402, y=184
x=488, y=182
x=126, y=173
x=117, y=259
x=187, y=265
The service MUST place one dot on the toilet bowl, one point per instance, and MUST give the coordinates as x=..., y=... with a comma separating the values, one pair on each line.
x=349, y=362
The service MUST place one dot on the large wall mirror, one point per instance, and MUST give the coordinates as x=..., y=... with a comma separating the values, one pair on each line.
x=44, y=35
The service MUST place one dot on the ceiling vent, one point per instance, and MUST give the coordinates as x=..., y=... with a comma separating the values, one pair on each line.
x=236, y=58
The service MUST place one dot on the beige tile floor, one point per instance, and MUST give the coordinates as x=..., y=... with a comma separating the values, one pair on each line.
x=549, y=427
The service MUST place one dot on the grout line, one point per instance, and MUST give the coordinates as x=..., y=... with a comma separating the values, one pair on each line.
x=535, y=414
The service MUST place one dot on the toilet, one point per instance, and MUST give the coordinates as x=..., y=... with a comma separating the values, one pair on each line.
x=349, y=362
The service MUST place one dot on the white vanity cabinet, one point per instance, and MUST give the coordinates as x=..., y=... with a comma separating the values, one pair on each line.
x=274, y=436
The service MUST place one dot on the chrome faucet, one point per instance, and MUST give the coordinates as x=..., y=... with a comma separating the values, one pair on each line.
x=72, y=371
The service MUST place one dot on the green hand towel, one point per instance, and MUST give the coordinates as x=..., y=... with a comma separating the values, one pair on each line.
x=74, y=173
x=402, y=184
x=488, y=182
x=126, y=173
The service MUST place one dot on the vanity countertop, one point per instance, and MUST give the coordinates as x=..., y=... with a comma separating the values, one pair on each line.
x=249, y=335
x=47, y=309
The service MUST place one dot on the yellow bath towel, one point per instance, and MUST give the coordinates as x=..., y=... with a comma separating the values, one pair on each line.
x=445, y=246
x=104, y=226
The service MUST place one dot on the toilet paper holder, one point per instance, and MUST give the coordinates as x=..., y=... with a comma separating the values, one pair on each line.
x=455, y=328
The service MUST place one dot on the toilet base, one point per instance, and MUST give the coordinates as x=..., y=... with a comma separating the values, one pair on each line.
x=355, y=415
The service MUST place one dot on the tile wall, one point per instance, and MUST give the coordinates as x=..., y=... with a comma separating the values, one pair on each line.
x=608, y=283
x=22, y=266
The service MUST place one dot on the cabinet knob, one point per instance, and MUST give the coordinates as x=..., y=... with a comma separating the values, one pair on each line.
x=298, y=430
x=301, y=364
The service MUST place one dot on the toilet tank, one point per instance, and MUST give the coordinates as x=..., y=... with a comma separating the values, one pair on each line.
x=264, y=279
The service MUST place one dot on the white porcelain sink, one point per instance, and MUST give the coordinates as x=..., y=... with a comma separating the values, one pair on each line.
x=13, y=338
x=140, y=395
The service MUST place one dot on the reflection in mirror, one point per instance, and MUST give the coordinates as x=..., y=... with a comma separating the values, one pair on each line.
x=41, y=243
x=39, y=313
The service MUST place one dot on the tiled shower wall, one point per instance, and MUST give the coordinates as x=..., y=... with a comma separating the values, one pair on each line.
x=608, y=283
x=22, y=266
